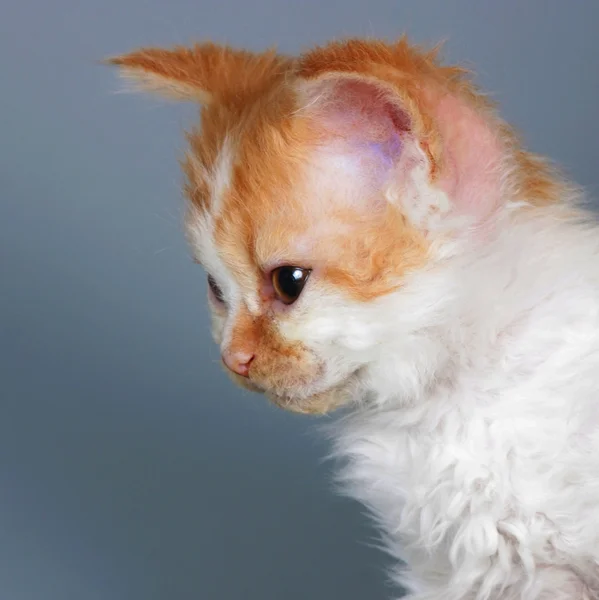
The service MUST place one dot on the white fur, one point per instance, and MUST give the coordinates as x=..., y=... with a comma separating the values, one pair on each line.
x=220, y=179
x=425, y=206
x=476, y=445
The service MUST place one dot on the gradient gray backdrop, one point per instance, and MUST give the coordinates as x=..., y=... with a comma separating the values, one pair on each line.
x=130, y=468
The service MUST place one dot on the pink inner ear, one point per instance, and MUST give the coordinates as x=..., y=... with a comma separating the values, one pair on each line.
x=363, y=113
x=473, y=154
x=366, y=116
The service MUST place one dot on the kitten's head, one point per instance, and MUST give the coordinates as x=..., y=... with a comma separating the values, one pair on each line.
x=318, y=186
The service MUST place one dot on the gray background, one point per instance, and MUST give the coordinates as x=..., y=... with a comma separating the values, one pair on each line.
x=130, y=468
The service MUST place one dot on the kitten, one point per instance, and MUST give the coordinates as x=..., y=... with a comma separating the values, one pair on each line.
x=377, y=239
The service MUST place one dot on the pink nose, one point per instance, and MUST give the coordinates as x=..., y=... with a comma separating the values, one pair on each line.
x=238, y=362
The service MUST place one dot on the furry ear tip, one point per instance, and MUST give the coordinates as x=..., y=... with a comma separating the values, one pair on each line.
x=140, y=58
x=113, y=61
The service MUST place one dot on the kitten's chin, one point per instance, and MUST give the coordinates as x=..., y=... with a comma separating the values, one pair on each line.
x=245, y=383
x=320, y=403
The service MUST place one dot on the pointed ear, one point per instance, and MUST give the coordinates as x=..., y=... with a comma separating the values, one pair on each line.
x=204, y=73
x=443, y=154
x=384, y=126
x=354, y=106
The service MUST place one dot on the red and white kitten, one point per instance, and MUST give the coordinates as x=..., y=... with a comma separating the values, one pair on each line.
x=377, y=239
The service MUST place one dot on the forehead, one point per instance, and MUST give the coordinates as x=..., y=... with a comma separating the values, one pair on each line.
x=244, y=175
x=273, y=192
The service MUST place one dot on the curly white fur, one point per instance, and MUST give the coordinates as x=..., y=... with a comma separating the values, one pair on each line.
x=478, y=450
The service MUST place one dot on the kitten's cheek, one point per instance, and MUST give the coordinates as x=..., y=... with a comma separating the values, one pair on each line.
x=217, y=328
x=292, y=331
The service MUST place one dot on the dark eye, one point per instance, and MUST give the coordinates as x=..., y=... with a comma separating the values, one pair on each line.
x=289, y=282
x=216, y=291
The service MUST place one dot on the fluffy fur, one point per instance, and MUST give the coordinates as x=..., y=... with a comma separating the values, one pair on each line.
x=452, y=308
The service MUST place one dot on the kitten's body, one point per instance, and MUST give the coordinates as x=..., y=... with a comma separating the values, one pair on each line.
x=481, y=462
x=450, y=300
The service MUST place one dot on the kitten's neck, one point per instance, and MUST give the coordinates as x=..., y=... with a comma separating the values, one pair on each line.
x=458, y=316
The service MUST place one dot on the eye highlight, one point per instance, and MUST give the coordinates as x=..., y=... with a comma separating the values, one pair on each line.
x=215, y=289
x=288, y=283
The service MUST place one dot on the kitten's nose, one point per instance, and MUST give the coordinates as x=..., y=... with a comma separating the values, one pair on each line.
x=238, y=361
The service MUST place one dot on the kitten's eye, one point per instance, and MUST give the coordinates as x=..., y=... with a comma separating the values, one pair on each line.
x=289, y=282
x=216, y=291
